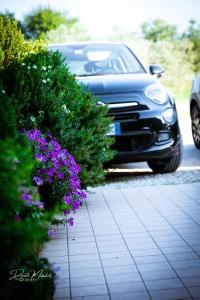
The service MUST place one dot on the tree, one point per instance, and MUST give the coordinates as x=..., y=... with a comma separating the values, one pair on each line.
x=41, y=20
x=7, y=15
x=193, y=35
x=11, y=41
x=158, y=30
x=64, y=34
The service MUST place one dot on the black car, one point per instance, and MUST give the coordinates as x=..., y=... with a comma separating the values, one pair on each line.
x=145, y=124
x=195, y=111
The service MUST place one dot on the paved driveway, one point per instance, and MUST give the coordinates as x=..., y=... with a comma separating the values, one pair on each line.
x=133, y=243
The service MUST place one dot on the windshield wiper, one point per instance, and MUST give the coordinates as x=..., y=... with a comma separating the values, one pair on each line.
x=98, y=74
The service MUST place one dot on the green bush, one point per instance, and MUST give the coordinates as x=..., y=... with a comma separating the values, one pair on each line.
x=48, y=97
x=23, y=228
x=11, y=41
x=38, y=288
x=7, y=115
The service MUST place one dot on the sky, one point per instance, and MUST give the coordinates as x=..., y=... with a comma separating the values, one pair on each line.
x=101, y=16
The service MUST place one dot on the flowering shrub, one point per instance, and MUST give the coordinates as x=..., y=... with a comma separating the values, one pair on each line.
x=56, y=171
x=23, y=223
x=37, y=91
x=49, y=97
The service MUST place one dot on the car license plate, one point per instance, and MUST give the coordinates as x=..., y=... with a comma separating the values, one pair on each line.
x=114, y=129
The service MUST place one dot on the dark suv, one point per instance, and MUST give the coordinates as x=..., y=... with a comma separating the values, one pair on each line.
x=145, y=124
x=195, y=111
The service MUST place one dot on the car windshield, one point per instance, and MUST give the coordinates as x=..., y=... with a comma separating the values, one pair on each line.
x=99, y=59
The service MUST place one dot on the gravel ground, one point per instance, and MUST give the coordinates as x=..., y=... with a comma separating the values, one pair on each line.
x=121, y=179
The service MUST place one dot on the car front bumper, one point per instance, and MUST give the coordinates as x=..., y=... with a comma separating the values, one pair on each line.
x=145, y=139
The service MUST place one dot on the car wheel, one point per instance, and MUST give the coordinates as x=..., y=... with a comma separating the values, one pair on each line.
x=195, y=116
x=168, y=165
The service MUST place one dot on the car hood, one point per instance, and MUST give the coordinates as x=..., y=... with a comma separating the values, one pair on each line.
x=117, y=83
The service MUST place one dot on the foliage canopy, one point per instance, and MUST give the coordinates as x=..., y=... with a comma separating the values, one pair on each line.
x=158, y=30
x=43, y=19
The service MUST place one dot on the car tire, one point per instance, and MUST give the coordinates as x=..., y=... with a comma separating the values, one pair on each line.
x=195, y=118
x=168, y=165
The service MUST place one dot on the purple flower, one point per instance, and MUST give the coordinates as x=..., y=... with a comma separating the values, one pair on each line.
x=55, y=145
x=50, y=172
x=52, y=233
x=25, y=196
x=34, y=134
x=42, y=148
x=22, y=130
x=42, y=142
x=74, y=182
x=75, y=205
x=38, y=180
x=48, y=134
x=40, y=157
x=56, y=163
x=79, y=193
x=39, y=204
x=55, y=154
x=58, y=166
x=60, y=175
x=18, y=218
x=67, y=199
x=71, y=221
x=66, y=212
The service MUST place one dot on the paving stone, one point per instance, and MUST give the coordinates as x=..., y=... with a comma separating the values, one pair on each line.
x=130, y=296
x=94, y=297
x=150, y=259
x=126, y=277
x=62, y=292
x=96, y=271
x=192, y=281
x=195, y=291
x=126, y=287
x=170, y=294
x=154, y=267
x=112, y=262
x=189, y=272
x=173, y=257
x=195, y=263
x=163, y=284
x=114, y=270
x=91, y=290
x=87, y=280
x=80, y=265
x=131, y=240
x=158, y=274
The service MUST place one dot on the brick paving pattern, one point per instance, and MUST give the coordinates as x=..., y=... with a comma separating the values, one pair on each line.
x=133, y=243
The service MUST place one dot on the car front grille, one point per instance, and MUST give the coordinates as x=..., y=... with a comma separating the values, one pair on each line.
x=124, y=113
x=135, y=134
x=134, y=143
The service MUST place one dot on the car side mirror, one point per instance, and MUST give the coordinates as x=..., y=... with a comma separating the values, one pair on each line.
x=156, y=70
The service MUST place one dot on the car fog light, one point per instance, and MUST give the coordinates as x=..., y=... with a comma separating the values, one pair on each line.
x=169, y=115
x=163, y=136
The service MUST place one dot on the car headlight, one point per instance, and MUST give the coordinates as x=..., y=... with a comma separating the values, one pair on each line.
x=169, y=115
x=156, y=93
